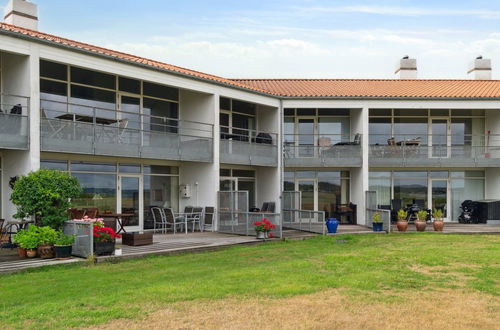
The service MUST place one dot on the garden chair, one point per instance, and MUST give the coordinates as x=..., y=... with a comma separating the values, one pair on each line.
x=76, y=214
x=91, y=212
x=159, y=219
x=195, y=217
x=208, y=218
x=174, y=220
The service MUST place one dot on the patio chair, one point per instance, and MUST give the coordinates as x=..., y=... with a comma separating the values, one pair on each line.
x=195, y=217
x=76, y=213
x=159, y=219
x=122, y=127
x=91, y=212
x=16, y=110
x=4, y=236
x=173, y=220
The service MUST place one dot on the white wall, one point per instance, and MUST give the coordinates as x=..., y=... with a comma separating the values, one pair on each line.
x=268, y=186
x=14, y=163
x=492, y=183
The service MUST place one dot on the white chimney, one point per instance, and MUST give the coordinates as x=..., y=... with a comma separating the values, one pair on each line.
x=407, y=68
x=481, y=67
x=21, y=13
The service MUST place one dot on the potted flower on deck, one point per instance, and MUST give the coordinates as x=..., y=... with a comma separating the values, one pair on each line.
x=263, y=229
x=402, y=222
x=378, y=225
x=421, y=221
x=104, y=239
x=27, y=239
x=438, y=222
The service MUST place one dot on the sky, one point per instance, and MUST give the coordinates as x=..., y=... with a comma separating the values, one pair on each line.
x=288, y=38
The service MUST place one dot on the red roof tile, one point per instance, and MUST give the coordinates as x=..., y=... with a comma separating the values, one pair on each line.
x=376, y=88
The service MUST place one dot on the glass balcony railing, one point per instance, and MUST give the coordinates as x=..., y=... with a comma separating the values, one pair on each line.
x=14, y=122
x=248, y=147
x=98, y=131
x=436, y=151
x=309, y=150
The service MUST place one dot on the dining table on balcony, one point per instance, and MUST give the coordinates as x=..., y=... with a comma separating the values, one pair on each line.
x=71, y=118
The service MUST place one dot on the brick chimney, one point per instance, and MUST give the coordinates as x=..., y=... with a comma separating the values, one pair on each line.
x=407, y=68
x=481, y=67
x=21, y=13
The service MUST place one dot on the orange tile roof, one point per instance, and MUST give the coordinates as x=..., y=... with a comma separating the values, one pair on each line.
x=44, y=37
x=294, y=88
x=376, y=88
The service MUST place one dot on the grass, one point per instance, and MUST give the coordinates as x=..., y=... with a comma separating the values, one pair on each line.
x=375, y=268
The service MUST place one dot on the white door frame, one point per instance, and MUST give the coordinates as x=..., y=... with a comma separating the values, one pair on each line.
x=140, y=226
x=448, y=196
x=315, y=191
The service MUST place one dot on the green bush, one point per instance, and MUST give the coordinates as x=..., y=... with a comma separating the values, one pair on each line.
x=63, y=239
x=46, y=195
x=46, y=235
x=34, y=236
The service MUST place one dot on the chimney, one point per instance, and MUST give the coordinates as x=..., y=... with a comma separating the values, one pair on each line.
x=21, y=13
x=407, y=68
x=481, y=67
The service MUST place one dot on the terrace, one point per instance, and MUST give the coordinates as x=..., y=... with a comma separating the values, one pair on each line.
x=75, y=128
x=14, y=122
x=248, y=147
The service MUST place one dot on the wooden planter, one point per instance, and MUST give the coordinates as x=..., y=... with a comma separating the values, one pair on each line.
x=137, y=238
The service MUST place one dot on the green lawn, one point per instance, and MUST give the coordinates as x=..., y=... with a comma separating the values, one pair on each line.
x=75, y=296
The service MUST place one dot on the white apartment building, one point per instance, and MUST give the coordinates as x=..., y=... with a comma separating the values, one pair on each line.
x=138, y=133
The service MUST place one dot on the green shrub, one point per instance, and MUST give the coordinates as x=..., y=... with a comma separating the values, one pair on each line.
x=34, y=236
x=46, y=195
x=376, y=217
x=437, y=214
x=402, y=215
x=46, y=235
x=422, y=215
x=63, y=239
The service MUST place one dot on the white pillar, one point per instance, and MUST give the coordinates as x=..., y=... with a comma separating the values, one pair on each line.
x=359, y=175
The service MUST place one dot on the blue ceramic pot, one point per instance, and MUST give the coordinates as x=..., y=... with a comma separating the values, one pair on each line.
x=331, y=225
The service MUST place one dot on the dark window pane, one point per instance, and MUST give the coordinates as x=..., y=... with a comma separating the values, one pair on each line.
x=129, y=85
x=53, y=87
x=333, y=112
x=93, y=167
x=157, y=169
x=93, y=97
x=160, y=91
x=411, y=112
x=380, y=112
x=93, y=78
x=243, y=173
x=225, y=103
x=243, y=107
x=60, y=165
x=98, y=190
x=225, y=172
x=156, y=112
x=130, y=168
x=440, y=112
x=306, y=112
x=53, y=70
x=289, y=112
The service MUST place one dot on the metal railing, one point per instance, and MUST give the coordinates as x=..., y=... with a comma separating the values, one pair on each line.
x=436, y=150
x=242, y=223
x=14, y=122
x=305, y=220
x=322, y=150
x=91, y=130
x=84, y=239
x=248, y=147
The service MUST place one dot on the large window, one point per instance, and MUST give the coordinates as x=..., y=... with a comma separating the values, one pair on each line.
x=237, y=119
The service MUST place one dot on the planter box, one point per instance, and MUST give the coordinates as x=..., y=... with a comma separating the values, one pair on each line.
x=137, y=238
x=104, y=248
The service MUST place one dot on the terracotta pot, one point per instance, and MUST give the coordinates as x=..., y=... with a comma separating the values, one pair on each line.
x=46, y=251
x=21, y=252
x=438, y=225
x=420, y=225
x=31, y=253
x=402, y=225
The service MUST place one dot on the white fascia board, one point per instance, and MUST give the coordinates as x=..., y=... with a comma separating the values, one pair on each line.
x=14, y=45
x=117, y=67
x=389, y=104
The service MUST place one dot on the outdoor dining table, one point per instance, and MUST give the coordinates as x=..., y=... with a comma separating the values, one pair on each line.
x=70, y=118
x=120, y=218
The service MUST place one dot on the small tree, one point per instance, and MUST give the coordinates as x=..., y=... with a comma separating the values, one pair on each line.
x=45, y=194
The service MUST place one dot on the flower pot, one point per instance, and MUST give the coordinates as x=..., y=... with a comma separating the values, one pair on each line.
x=63, y=251
x=46, y=251
x=21, y=252
x=31, y=253
x=420, y=225
x=104, y=248
x=438, y=225
x=261, y=235
x=378, y=226
x=332, y=224
x=402, y=226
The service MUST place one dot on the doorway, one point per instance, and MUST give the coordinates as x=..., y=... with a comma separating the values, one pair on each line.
x=439, y=137
x=239, y=184
x=439, y=196
x=130, y=200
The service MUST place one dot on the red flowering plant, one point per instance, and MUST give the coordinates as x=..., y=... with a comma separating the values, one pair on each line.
x=104, y=234
x=265, y=226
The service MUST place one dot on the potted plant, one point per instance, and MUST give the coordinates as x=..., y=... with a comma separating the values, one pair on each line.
x=17, y=239
x=421, y=221
x=402, y=222
x=46, y=195
x=263, y=229
x=378, y=225
x=104, y=239
x=438, y=222
x=63, y=245
x=46, y=238
x=28, y=240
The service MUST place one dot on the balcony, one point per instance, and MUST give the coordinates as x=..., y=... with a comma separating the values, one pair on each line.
x=248, y=147
x=96, y=131
x=437, y=151
x=337, y=150
x=14, y=122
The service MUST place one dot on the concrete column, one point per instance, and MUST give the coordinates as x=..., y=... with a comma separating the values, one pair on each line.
x=359, y=176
